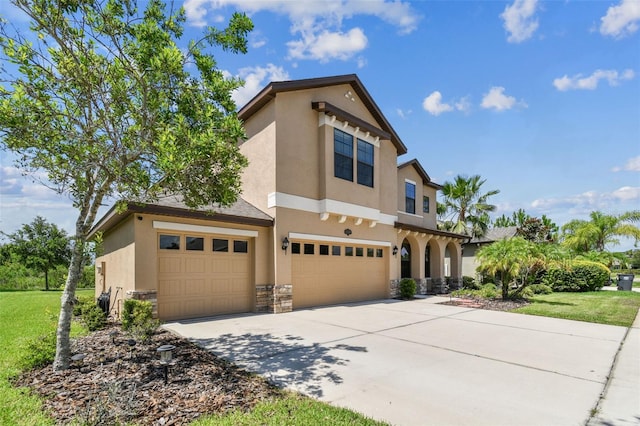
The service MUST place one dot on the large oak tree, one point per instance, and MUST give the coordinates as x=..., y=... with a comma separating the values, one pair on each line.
x=109, y=103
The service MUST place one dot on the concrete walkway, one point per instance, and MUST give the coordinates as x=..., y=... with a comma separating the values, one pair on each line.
x=422, y=363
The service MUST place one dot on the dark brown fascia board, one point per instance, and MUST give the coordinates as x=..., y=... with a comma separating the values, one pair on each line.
x=343, y=115
x=400, y=225
x=112, y=217
x=270, y=91
x=423, y=174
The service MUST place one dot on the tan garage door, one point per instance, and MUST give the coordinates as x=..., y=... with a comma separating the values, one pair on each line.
x=202, y=276
x=326, y=274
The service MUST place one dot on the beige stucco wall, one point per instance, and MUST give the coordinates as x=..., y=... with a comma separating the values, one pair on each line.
x=425, y=220
x=469, y=262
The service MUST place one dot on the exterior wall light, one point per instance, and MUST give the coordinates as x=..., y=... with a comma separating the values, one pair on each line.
x=395, y=250
x=285, y=244
x=347, y=232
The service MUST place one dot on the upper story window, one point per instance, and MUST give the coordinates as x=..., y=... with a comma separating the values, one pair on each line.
x=343, y=155
x=425, y=204
x=365, y=163
x=410, y=197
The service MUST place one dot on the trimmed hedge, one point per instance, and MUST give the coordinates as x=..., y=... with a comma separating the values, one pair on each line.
x=407, y=288
x=581, y=275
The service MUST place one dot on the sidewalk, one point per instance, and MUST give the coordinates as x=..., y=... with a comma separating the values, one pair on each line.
x=620, y=403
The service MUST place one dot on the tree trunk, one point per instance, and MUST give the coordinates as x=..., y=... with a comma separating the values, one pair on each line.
x=46, y=280
x=63, y=342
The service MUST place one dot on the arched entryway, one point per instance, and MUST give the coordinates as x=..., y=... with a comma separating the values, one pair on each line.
x=405, y=259
x=427, y=262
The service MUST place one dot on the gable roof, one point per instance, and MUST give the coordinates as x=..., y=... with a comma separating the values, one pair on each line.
x=272, y=89
x=241, y=212
x=426, y=180
x=495, y=234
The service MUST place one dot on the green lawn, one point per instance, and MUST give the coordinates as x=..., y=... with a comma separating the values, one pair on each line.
x=604, y=307
x=23, y=315
x=27, y=314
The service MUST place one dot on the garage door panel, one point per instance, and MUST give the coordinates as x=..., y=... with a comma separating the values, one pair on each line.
x=202, y=283
x=328, y=279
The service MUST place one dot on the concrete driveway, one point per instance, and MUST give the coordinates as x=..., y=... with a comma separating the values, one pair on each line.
x=421, y=363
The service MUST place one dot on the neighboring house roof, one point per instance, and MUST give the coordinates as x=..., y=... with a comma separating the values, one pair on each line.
x=241, y=212
x=495, y=234
x=426, y=180
x=273, y=88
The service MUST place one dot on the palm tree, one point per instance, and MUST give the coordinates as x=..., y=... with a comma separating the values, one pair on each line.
x=465, y=209
x=583, y=236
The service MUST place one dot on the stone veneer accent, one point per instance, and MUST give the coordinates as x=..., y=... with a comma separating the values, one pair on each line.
x=440, y=285
x=274, y=298
x=148, y=295
x=394, y=288
x=454, y=283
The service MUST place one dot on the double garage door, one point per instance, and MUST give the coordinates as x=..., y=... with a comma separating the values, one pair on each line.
x=203, y=275
x=326, y=273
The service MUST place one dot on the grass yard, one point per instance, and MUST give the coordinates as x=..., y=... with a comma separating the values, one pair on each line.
x=24, y=315
x=28, y=314
x=604, y=307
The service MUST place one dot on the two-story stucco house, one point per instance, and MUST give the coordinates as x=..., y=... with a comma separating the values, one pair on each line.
x=327, y=216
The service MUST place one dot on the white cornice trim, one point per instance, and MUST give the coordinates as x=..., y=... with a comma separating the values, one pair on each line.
x=328, y=238
x=328, y=206
x=186, y=227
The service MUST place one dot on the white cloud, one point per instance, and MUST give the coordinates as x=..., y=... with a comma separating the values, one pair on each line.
x=589, y=201
x=578, y=82
x=632, y=165
x=496, y=99
x=317, y=26
x=621, y=20
x=519, y=20
x=255, y=79
x=402, y=113
x=433, y=104
x=328, y=45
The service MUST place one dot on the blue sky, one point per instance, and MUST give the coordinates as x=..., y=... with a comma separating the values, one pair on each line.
x=542, y=99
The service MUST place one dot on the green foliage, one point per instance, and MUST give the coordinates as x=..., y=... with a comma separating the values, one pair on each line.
x=601, y=229
x=39, y=351
x=94, y=317
x=469, y=283
x=16, y=276
x=577, y=276
x=136, y=313
x=487, y=291
x=465, y=209
x=41, y=246
x=540, y=289
x=407, y=288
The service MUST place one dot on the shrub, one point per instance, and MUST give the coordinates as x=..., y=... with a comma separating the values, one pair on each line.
x=540, y=289
x=407, y=288
x=82, y=303
x=582, y=275
x=590, y=276
x=39, y=351
x=470, y=283
x=526, y=293
x=94, y=317
x=488, y=291
x=136, y=313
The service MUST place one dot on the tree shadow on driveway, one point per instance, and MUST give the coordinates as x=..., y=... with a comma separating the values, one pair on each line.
x=286, y=361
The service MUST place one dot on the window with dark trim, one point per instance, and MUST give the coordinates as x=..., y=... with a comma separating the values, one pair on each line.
x=336, y=250
x=195, y=243
x=170, y=242
x=240, y=246
x=348, y=251
x=369, y=252
x=295, y=248
x=343, y=155
x=220, y=245
x=425, y=204
x=309, y=249
x=359, y=251
x=324, y=249
x=410, y=197
x=379, y=252
x=365, y=163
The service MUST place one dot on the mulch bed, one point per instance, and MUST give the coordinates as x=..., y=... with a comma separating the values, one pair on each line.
x=490, y=304
x=120, y=384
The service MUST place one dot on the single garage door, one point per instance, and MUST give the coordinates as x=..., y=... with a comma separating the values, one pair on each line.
x=202, y=276
x=327, y=274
